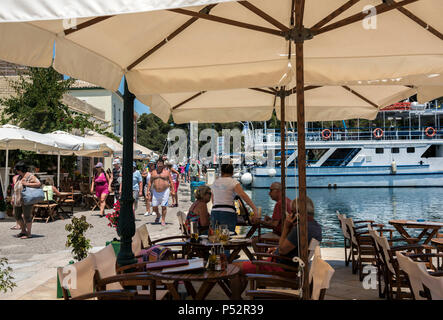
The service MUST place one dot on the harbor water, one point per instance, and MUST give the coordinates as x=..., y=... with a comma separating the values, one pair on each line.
x=378, y=204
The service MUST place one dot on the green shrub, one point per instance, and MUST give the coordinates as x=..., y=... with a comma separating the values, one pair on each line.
x=5, y=276
x=76, y=239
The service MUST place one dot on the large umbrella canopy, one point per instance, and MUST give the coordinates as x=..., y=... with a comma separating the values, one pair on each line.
x=322, y=103
x=223, y=44
x=13, y=137
x=140, y=152
x=79, y=146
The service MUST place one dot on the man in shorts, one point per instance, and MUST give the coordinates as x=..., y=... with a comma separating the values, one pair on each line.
x=162, y=185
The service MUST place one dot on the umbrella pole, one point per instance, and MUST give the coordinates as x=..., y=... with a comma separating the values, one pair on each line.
x=126, y=223
x=58, y=170
x=5, y=187
x=283, y=152
x=303, y=222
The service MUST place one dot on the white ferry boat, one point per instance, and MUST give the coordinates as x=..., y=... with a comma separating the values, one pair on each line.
x=379, y=157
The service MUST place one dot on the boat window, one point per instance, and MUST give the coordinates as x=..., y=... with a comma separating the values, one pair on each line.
x=379, y=150
x=431, y=152
x=410, y=150
x=395, y=150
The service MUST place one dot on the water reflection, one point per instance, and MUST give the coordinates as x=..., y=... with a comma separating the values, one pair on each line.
x=378, y=204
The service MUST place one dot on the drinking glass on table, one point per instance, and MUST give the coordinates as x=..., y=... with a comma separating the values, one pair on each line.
x=194, y=231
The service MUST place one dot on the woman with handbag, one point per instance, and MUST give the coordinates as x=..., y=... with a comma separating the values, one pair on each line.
x=22, y=212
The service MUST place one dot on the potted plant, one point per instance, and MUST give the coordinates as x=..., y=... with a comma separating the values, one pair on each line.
x=77, y=241
x=6, y=278
x=113, y=223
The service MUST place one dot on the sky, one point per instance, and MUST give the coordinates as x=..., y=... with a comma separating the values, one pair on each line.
x=139, y=107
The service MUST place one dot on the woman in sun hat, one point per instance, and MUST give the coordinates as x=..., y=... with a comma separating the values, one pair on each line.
x=101, y=184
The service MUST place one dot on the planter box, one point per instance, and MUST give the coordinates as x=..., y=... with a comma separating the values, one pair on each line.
x=115, y=245
x=59, y=287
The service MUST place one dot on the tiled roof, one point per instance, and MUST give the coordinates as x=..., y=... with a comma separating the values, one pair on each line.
x=80, y=84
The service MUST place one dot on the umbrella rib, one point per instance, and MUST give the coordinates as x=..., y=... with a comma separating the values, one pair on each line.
x=422, y=23
x=179, y=30
x=307, y=88
x=229, y=22
x=299, y=13
x=334, y=14
x=263, y=90
x=382, y=8
x=187, y=100
x=86, y=24
x=264, y=15
x=361, y=97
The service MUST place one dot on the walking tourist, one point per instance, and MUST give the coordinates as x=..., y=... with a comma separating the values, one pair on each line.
x=194, y=171
x=175, y=179
x=101, y=184
x=116, y=179
x=224, y=190
x=162, y=186
x=22, y=212
x=147, y=173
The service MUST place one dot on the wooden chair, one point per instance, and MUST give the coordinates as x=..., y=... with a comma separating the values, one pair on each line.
x=424, y=285
x=181, y=216
x=68, y=202
x=146, y=242
x=85, y=280
x=278, y=287
x=44, y=210
x=90, y=200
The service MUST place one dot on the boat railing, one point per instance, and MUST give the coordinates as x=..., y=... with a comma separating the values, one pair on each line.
x=354, y=134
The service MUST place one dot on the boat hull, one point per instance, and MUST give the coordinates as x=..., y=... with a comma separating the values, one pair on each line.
x=351, y=177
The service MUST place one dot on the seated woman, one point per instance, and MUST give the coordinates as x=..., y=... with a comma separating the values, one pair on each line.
x=199, y=210
x=49, y=189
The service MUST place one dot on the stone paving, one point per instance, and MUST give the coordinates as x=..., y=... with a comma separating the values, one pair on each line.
x=35, y=260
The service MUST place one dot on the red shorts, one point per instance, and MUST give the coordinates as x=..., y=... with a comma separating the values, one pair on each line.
x=249, y=267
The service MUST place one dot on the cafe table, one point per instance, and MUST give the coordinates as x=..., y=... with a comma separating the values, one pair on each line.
x=228, y=280
x=203, y=247
x=430, y=229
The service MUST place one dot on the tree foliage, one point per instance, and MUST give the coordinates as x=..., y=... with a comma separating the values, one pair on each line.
x=37, y=104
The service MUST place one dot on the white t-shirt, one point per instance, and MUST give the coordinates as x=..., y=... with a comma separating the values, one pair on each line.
x=224, y=194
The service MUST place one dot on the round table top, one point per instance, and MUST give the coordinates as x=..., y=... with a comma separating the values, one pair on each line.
x=232, y=243
x=437, y=241
x=203, y=275
x=417, y=223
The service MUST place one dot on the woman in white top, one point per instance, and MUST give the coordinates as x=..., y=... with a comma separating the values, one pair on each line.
x=224, y=191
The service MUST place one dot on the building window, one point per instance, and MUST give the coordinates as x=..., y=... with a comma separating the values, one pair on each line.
x=410, y=150
x=379, y=150
x=395, y=150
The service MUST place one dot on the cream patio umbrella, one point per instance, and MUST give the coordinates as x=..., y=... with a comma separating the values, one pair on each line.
x=223, y=45
x=322, y=103
x=13, y=137
x=78, y=146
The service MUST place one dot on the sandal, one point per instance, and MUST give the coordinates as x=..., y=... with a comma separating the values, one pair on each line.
x=26, y=236
x=21, y=234
x=15, y=228
x=157, y=220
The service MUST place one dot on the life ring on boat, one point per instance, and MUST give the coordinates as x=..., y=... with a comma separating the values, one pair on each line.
x=430, y=131
x=326, y=134
x=378, y=133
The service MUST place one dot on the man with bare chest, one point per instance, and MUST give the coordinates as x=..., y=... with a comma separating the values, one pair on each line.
x=162, y=186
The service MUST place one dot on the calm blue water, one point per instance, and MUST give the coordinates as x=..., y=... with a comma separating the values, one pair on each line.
x=378, y=204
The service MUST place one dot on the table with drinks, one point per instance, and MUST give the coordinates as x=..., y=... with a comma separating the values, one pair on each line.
x=214, y=246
